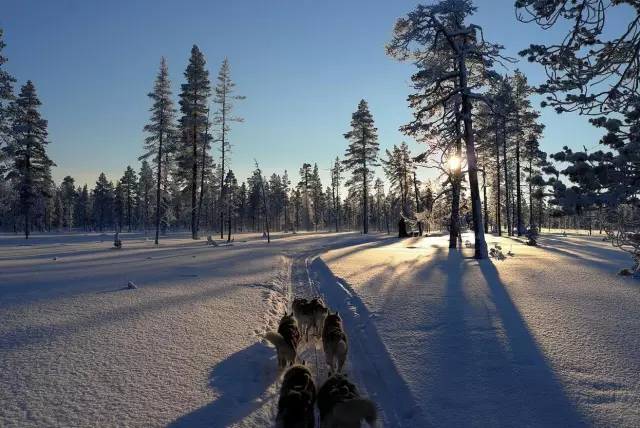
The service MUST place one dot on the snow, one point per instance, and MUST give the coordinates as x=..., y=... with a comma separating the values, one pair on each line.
x=548, y=337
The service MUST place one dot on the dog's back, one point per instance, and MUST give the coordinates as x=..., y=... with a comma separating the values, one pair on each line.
x=340, y=404
x=334, y=341
x=297, y=399
x=288, y=328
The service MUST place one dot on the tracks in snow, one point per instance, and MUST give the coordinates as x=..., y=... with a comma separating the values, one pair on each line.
x=369, y=364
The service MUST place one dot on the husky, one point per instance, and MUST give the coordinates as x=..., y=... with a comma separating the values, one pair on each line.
x=285, y=340
x=310, y=315
x=341, y=406
x=334, y=342
x=297, y=399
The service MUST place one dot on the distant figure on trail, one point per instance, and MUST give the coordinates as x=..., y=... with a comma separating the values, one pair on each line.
x=402, y=228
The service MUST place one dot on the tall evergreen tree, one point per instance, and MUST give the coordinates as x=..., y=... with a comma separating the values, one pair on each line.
x=336, y=180
x=68, y=196
x=129, y=183
x=31, y=167
x=145, y=194
x=362, y=155
x=6, y=97
x=224, y=98
x=193, y=105
x=103, y=202
x=82, y=209
x=161, y=132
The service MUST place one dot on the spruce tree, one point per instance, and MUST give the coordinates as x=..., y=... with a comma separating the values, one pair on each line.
x=68, y=196
x=30, y=166
x=129, y=184
x=193, y=105
x=145, y=194
x=103, y=202
x=336, y=180
x=161, y=133
x=361, y=155
x=224, y=98
x=6, y=97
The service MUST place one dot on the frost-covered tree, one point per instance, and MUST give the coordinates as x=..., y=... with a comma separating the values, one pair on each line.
x=594, y=68
x=6, y=97
x=361, y=155
x=129, y=185
x=145, y=200
x=30, y=167
x=161, y=133
x=304, y=185
x=317, y=197
x=231, y=184
x=454, y=62
x=336, y=181
x=224, y=97
x=193, y=105
x=399, y=168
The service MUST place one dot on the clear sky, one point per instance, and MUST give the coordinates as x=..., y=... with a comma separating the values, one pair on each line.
x=303, y=66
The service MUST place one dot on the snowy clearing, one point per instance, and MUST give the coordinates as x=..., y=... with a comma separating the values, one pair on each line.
x=548, y=337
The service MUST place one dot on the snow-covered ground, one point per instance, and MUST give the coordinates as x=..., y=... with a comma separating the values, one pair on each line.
x=548, y=337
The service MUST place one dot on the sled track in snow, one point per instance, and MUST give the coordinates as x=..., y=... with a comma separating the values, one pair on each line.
x=369, y=364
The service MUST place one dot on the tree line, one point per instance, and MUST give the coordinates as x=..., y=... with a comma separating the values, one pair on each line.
x=475, y=120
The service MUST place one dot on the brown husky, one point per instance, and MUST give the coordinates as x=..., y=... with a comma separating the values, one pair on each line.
x=334, y=342
x=285, y=340
x=297, y=399
x=341, y=406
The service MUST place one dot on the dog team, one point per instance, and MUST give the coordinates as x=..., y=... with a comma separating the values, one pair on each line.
x=338, y=400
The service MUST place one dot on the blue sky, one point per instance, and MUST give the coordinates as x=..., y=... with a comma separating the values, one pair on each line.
x=303, y=66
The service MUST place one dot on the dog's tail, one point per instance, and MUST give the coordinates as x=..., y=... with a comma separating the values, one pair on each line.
x=358, y=409
x=276, y=338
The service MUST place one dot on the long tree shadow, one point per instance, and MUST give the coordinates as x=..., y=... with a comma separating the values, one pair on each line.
x=541, y=398
x=241, y=382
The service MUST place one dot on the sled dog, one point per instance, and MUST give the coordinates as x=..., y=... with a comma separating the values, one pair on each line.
x=297, y=399
x=341, y=406
x=309, y=314
x=334, y=342
x=286, y=340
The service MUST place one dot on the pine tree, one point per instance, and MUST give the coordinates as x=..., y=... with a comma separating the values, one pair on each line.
x=317, y=198
x=336, y=180
x=161, y=130
x=82, y=208
x=453, y=60
x=103, y=202
x=231, y=184
x=399, y=168
x=31, y=167
x=6, y=97
x=145, y=194
x=193, y=105
x=68, y=196
x=304, y=186
x=129, y=183
x=361, y=155
x=224, y=97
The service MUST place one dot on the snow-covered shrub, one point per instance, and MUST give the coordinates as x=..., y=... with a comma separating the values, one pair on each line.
x=623, y=230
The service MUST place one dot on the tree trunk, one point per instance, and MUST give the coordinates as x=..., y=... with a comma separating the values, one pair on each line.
x=506, y=178
x=454, y=222
x=518, y=191
x=498, y=204
x=476, y=207
x=484, y=190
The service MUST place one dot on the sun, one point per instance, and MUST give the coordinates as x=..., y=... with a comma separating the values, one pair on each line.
x=454, y=163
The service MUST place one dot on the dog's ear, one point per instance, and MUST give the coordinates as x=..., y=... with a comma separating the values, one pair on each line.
x=304, y=363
